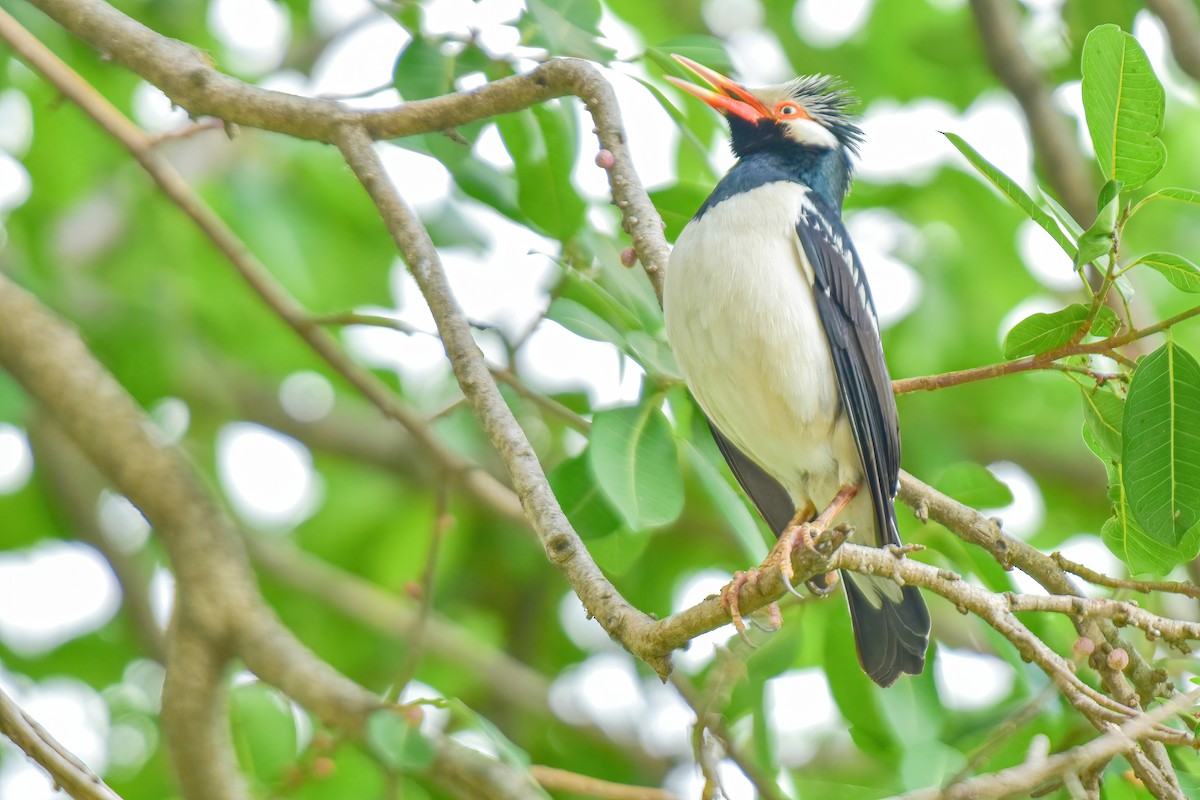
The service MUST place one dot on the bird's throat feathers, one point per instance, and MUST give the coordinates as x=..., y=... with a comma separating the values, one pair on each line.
x=825, y=171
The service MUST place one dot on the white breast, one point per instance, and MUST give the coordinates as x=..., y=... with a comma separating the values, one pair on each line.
x=744, y=326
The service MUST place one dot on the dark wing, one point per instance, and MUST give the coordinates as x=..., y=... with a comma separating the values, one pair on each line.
x=848, y=313
x=769, y=496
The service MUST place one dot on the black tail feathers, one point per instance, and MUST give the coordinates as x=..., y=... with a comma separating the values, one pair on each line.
x=891, y=635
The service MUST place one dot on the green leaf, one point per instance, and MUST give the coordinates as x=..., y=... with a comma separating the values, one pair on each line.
x=509, y=752
x=543, y=143
x=728, y=501
x=1126, y=539
x=1161, y=447
x=707, y=50
x=565, y=28
x=1098, y=240
x=1105, y=323
x=1040, y=333
x=685, y=130
x=582, y=321
x=634, y=459
x=1182, y=195
x=678, y=203
x=581, y=499
x=1110, y=191
x=1061, y=214
x=1103, y=413
x=618, y=551
x=397, y=742
x=1009, y=188
x=1125, y=105
x=423, y=70
x=653, y=354
x=264, y=730
x=1183, y=274
x=973, y=485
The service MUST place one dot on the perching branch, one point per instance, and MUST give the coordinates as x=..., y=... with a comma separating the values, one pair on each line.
x=267, y=647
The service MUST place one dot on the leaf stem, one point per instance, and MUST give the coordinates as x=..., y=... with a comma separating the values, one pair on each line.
x=1107, y=347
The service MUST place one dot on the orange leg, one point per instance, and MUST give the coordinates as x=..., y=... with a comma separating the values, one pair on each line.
x=798, y=533
x=802, y=536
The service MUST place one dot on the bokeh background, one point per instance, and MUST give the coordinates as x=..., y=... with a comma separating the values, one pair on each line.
x=522, y=216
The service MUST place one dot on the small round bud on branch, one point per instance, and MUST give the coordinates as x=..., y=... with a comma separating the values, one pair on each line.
x=1118, y=659
x=604, y=159
x=628, y=257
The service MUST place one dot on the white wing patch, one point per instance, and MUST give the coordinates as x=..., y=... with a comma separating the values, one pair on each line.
x=811, y=216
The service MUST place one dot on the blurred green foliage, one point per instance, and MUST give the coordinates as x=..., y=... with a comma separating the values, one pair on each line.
x=156, y=303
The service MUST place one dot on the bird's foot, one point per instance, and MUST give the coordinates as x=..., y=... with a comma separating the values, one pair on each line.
x=731, y=601
x=822, y=585
x=793, y=538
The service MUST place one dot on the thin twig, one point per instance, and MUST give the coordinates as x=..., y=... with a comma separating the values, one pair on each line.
x=68, y=772
x=564, y=781
x=1026, y=777
x=716, y=725
x=239, y=256
x=1091, y=576
x=418, y=633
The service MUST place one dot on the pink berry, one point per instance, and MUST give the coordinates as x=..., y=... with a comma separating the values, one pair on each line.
x=1118, y=659
x=628, y=257
x=1084, y=647
x=604, y=159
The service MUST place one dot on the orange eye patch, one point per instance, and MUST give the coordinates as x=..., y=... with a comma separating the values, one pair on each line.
x=790, y=110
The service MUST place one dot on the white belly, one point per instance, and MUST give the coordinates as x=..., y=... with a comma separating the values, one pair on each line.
x=744, y=327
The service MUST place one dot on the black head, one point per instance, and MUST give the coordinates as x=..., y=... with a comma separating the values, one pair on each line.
x=807, y=120
x=812, y=112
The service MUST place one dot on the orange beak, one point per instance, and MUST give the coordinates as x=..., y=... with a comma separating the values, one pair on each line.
x=730, y=97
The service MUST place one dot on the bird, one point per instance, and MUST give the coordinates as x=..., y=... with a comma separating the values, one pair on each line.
x=774, y=328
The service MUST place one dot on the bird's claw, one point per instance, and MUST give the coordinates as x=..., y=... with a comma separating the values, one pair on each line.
x=774, y=619
x=731, y=600
x=794, y=537
x=822, y=585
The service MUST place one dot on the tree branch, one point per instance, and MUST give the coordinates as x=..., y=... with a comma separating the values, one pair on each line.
x=76, y=485
x=219, y=612
x=68, y=772
x=1029, y=776
x=1182, y=21
x=1053, y=138
x=142, y=147
x=1091, y=576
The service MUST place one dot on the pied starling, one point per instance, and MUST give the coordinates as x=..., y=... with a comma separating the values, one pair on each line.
x=771, y=319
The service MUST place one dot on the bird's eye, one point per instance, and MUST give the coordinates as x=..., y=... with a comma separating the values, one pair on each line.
x=788, y=110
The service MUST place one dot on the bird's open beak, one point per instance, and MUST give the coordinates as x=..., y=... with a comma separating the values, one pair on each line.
x=730, y=97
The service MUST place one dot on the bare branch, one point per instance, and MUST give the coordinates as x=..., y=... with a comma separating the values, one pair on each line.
x=562, y=544
x=141, y=147
x=1091, y=576
x=68, y=772
x=195, y=714
x=574, y=783
x=1026, y=777
x=76, y=485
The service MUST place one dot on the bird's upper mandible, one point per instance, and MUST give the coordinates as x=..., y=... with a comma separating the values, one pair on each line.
x=810, y=111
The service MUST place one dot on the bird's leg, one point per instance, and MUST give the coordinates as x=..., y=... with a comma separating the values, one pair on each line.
x=730, y=594
x=801, y=535
x=730, y=601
